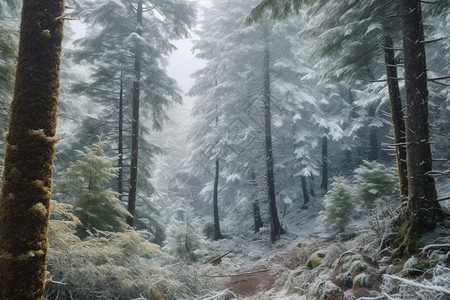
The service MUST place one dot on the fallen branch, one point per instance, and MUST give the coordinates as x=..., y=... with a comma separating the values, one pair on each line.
x=436, y=247
x=382, y=297
x=419, y=285
x=231, y=275
x=215, y=260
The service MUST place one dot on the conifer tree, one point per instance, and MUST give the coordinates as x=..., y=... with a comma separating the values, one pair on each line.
x=338, y=205
x=27, y=176
x=257, y=71
x=127, y=45
x=85, y=185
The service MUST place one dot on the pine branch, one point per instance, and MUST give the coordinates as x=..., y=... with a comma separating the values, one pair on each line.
x=432, y=41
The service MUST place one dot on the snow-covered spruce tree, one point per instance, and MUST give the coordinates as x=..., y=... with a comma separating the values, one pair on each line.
x=119, y=46
x=438, y=62
x=372, y=182
x=347, y=37
x=239, y=139
x=421, y=210
x=85, y=185
x=27, y=174
x=184, y=233
x=339, y=205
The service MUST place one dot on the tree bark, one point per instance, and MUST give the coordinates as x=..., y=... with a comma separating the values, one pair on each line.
x=120, y=146
x=256, y=208
x=373, y=141
x=398, y=122
x=135, y=123
x=27, y=176
x=312, y=188
x=217, y=234
x=324, y=184
x=305, y=191
x=257, y=216
x=275, y=227
x=422, y=208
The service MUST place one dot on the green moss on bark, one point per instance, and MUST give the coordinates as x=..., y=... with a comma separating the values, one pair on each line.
x=27, y=175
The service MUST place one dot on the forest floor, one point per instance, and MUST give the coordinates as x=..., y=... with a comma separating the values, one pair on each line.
x=308, y=263
x=342, y=272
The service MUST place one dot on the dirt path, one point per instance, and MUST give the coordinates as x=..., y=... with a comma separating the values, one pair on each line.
x=250, y=283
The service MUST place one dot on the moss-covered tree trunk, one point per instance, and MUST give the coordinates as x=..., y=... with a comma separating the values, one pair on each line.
x=398, y=122
x=27, y=176
x=422, y=207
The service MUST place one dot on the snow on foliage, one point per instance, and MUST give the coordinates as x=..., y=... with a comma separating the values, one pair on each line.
x=105, y=265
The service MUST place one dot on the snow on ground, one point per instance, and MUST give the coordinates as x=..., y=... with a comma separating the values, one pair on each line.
x=352, y=269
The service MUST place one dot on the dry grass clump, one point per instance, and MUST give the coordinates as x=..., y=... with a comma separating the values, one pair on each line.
x=105, y=265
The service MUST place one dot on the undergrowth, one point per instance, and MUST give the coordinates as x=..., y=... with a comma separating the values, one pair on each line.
x=105, y=265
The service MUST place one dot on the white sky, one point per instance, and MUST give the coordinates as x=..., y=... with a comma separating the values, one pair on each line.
x=183, y=63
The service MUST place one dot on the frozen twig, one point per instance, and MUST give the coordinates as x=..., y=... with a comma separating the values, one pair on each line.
x=435, y=247
x=419, y=285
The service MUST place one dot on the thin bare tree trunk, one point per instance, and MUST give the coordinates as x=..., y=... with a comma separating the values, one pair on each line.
x=324, y=184
x=27, y=176
x=217, y=233
x=305, y=191
x=275, y=227
x=135, y=123
x=120, y=146
x=398, y=122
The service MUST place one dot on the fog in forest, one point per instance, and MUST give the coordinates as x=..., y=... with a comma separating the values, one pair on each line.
x=229, y=149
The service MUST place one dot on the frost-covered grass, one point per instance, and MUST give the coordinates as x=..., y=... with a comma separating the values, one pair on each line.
x=107, y=265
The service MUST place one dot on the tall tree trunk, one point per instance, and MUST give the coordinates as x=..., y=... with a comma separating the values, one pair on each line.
x=324, y=184
x=275, y=227
x=256, y=208
x=373, y=138
x=373, y=142
x=305, y=191
x=398, y=122
x=217, y=233
x=257, y=215
x=135, y=122
x=422, y=208
x=27, y=176
x=312, y=188
x=120, y=147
